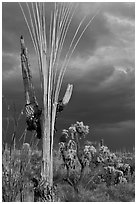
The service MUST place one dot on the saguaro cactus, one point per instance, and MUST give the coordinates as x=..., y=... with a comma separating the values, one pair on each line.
x=48, y=41
x=32, y=110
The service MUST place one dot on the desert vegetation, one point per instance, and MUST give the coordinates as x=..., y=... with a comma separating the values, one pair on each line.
x=81, y=173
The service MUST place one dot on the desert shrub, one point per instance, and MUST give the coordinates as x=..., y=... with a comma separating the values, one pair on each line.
x=66, y=193
x=122, y=192
x=97, y=195
x=13, y=178
x=19, y=167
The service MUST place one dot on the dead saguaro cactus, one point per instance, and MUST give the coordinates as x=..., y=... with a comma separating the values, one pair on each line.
x=32, y=110
x=48, y=40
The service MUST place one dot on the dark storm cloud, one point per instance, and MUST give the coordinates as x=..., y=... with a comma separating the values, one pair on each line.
x=13, y=26
x=9, y=62
x=102, y=107
x=125, y=9
x=102, y=69
x=91, y=78
x=102, y=100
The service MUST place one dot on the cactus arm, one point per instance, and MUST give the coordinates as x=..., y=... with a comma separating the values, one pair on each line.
x=33, y=113
x=62, y=103
x=26, y=74
x=67, y=95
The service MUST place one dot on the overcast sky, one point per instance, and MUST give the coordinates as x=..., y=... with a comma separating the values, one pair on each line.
x=102, y=70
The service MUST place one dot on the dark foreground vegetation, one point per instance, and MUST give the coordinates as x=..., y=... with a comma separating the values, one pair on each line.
x=82, y=173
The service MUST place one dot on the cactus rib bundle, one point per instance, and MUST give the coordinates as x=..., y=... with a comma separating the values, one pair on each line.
x=49, y=40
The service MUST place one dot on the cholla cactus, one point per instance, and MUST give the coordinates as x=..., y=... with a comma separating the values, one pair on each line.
x=64, y=136
x=105, y=156
x=91, y=149
x=112, y=175
x=81, y=128
x=72, y=131
x=78, y=129
x=68, y=153
x=125, y=168
x=104, y=150
x=88, y=154
x=71, y=157
x=110, y=169
x=72, y=153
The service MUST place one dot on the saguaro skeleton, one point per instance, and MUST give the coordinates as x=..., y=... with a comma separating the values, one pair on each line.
x=48, y=40
x=33, y=115
x=32, y=110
